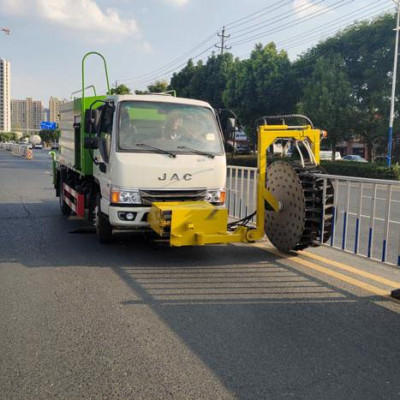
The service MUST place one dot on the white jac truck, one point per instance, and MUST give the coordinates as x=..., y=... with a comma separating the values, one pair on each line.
x=119, y=154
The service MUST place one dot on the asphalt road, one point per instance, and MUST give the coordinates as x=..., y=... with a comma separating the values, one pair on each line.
x=133, y=320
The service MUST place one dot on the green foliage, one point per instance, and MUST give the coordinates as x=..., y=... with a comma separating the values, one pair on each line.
x=242, y=161
x=120, y=89
x=7, y=136
x=157, y=87
x=366, y=49
x=328, y=99
x=362, y=170
x=261, y=85
x=49, y=136
x=204, y=81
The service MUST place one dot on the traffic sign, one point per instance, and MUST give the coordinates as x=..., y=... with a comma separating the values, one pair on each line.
x=47, y=125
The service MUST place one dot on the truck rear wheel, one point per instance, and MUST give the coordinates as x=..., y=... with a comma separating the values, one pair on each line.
x=65, y=210
x=103, y=226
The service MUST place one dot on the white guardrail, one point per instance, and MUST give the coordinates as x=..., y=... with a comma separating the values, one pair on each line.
x=366, y=212
x=18, y=149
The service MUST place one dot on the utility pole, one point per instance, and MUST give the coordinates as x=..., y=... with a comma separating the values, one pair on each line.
x=391, y=117
x=223, y=37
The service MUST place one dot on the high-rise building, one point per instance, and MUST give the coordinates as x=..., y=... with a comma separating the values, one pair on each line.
x=5, y=107
x=26, y=114
x=46, y=114
x=54, y=107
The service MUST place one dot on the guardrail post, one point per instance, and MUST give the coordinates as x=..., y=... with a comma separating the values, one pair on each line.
x=387, y=224
x=323, y=211
x=358, y=221
x=372, y=222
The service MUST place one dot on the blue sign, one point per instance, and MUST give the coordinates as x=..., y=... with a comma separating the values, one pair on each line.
x=49, y=126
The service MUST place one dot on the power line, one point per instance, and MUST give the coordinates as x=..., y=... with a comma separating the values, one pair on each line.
x=176, y=60
x=173, y=66
x=222, y=47
x=290, y=13
x=159, y=77
x=238, y=22
x=292, y=24
x=262, y=12
x=355, y=14
x=326, y=34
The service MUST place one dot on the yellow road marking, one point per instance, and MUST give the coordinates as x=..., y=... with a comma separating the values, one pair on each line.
x=351, y=269
x=327, y=271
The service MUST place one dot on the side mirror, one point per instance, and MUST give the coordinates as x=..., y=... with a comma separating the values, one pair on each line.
x=230, y=126
x=92, y=120
x=91, y=143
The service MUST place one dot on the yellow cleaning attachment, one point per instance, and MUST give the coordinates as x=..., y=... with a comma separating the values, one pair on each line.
x=189, y=223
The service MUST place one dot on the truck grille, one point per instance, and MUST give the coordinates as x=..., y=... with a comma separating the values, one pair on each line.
x=151, y=196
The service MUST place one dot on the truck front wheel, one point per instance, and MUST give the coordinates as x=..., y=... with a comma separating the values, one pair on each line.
x=103, y=227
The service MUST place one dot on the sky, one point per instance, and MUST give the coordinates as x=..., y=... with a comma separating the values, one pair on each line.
x=147, y=40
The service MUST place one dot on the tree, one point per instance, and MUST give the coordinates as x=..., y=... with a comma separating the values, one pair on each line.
x=120, y=89
x=261, y=85
x=7, y=136
x=367, y=51
x=50, y=136
x=328, y=99
x=181, y=81
x=157, y=87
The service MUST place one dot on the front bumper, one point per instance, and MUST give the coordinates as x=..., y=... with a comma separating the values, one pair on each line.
x=115, y=215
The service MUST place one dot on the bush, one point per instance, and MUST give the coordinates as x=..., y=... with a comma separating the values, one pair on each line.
x=345, y=168
x=242, y=160
x=362, y=170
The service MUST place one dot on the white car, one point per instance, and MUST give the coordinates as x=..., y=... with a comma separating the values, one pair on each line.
x=354, y=157
x=38, y=146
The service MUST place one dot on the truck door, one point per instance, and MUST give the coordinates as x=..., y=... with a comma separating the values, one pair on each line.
x=105, y=140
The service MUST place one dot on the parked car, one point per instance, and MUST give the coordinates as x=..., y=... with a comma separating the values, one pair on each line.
x=54, y=146
x=240, y=143
x=38, y=146
x=354, y=157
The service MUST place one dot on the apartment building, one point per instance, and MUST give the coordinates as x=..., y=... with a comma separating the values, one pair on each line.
x=54, y=109
x=26, y=114
x=5, y=106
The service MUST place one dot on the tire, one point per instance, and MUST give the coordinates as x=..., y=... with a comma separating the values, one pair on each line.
x=103, y=227
x=65, y=210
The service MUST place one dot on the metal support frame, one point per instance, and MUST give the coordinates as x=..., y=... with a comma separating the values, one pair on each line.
x=267, y=134
x=187, y=228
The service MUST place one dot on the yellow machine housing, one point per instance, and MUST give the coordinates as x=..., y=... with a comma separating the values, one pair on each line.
x=200, y=223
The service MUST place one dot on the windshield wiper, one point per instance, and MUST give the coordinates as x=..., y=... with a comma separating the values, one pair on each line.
x=202, y=153
x=156, y=149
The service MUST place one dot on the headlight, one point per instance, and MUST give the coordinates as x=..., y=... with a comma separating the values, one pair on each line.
x=215, y=196
x=125, y=196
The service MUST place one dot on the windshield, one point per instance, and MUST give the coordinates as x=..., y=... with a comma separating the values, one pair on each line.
x=177, y=128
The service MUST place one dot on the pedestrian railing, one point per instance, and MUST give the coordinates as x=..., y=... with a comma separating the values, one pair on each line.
x=241, y=191
x=366, y=219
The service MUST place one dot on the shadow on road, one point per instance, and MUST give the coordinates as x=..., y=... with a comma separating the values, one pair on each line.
x=263, y=328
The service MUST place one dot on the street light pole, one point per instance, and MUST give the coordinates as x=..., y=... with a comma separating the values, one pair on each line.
x=391, y=117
